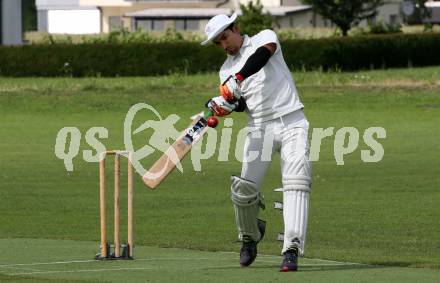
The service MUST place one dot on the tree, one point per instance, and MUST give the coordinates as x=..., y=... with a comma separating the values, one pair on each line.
x=419, y=14
x=29, y=11
x=345, y=13
x=253, y=19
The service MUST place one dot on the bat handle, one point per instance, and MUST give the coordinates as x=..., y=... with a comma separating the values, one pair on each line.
x=207, y=114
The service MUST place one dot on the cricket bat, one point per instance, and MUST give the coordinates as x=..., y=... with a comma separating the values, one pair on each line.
x=177, y=151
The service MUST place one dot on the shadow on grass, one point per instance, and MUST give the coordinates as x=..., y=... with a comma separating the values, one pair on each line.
x=305, y=268
x=393, y=263
x=434, y=266
x=326, y=267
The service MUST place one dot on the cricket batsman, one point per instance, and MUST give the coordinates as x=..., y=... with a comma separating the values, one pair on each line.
x=255, y=78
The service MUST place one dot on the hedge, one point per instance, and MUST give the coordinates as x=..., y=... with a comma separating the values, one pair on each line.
x=351, y=53
x=107, y=59
x=364, y=52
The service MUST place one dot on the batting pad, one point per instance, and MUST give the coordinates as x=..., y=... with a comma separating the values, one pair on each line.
x=247, y=201
x=295, y=212
x=296, y=190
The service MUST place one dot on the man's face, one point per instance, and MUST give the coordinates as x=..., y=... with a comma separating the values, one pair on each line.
x=230, y=40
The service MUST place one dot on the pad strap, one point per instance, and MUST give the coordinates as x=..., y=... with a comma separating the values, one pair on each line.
x=296, y=183
x=245, y=193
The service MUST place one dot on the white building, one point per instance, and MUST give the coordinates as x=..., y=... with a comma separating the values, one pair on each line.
x=10, y=22
x=434, y=7
x=391, y=12
x=68, y=16
x=95, y=16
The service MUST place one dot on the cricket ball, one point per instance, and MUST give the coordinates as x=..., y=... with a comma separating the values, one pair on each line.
x=212, y=122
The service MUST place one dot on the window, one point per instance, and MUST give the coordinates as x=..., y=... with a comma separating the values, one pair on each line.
x=143, y=24
x=158, y=25
x=150, y=24
x=393, y=20
x=115, y=23
x=179, y=24
x=192, y=24
x=186, y=24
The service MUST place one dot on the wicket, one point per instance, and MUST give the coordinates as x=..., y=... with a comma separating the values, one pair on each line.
x=127, y=252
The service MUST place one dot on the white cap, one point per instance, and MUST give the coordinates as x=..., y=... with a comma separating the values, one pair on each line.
x=216, y=25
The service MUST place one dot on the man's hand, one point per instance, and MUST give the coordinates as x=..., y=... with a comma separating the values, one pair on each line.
x=230, y=89
x=220, y=107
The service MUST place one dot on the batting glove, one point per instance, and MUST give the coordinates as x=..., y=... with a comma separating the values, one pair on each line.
x=230, y=89
x=220, y=107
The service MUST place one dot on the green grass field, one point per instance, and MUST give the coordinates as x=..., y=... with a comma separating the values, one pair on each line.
x=369, y=222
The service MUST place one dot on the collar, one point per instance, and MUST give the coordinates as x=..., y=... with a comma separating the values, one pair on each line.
x=246, y=43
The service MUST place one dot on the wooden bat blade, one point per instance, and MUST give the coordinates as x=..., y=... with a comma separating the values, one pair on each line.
x=175, y=153
x=166, y=164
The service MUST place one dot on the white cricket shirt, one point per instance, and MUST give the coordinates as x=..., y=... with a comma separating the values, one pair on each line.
x=270, y=93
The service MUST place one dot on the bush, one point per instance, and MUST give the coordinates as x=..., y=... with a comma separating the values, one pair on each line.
x=116, y=37
x=365, y=52
x=108, y=59
x=134, y=59
x=254, y=19
x=380, y=27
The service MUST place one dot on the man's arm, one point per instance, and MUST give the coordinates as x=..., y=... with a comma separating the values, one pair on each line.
x=230, y=89
x=256, y=61
x=272, y=47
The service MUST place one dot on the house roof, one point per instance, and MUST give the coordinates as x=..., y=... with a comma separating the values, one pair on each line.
x=179, y=13
x=284, y=10
x=206, y=13
x=432, y=4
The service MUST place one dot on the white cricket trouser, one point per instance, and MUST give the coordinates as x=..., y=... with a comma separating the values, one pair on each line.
x=288, y=136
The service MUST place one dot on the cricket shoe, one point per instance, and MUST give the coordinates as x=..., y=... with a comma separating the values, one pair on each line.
x=290, y=260
x=248, y=251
